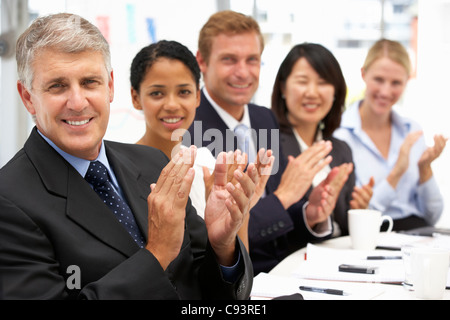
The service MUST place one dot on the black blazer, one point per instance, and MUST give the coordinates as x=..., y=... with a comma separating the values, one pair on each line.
x=50, y=219
x=274, y=232
x=341, y=153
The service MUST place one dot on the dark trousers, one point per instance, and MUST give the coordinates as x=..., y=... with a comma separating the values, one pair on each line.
x=404, y=224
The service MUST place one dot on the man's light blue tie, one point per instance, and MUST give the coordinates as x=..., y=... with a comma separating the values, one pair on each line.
x=97, y=176
x=243, y=136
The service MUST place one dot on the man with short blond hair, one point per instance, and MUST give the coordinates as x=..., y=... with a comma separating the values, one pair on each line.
x=230, y=48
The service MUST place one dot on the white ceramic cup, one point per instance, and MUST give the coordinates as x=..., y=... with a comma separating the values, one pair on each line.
x=364, y=227
x=429, y=270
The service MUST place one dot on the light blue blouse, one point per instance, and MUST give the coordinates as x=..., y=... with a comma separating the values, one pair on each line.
x=410, y=197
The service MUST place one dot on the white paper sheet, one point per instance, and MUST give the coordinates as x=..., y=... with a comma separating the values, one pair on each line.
x=323, y=264
x=266, y=286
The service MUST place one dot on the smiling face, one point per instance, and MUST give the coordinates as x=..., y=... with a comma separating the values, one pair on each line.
x=308, y=97
x=169, y=96
x=385, y=82
x=231, y=75
x=70, y=100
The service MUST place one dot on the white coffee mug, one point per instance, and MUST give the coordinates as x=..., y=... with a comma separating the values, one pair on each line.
x=364, y=227
x=429, y=270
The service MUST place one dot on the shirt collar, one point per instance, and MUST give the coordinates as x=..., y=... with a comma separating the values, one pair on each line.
x=400, y=122
x=82, y=165
x=352, y=119
x=303, y=145
x=229, y=120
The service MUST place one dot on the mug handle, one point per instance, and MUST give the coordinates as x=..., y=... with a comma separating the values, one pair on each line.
x=389, y=219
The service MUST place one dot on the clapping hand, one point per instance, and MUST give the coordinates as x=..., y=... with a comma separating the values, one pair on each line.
x=361, y=195
x=227, y=206
x=429, y=155
x=322, y=199
x=300, y=172
x=167, y=207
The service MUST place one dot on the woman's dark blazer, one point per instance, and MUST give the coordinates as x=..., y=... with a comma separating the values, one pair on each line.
x=341, y=153
x=273, y=232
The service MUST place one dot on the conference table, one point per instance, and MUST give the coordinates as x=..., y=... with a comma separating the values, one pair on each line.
x=284, y=279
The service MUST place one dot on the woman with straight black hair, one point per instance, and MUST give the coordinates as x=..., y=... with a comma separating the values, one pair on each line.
x=308, y=99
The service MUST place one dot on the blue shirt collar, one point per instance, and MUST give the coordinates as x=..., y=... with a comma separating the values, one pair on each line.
x=82, y=165
x=353, y=120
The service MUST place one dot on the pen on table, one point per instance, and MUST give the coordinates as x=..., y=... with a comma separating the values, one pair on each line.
x=384, y=257
x=324, y=290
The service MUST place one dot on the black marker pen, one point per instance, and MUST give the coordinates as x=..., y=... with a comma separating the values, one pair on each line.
x=358, y=269
x=324, y=290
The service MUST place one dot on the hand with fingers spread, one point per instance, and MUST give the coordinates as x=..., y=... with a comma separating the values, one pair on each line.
x=300, y=172
x=361, y=195
x=402, y=163
x=237, y=161
x=167, y=207
x=338, y=180
x=234, y=160
x=429, y=155
x=227, y=207
x=322, y=199
x=264, y=165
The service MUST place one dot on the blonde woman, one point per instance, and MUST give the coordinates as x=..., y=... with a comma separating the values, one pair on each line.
x=389, y=147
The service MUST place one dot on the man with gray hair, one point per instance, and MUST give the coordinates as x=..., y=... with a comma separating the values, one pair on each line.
x=82, y=217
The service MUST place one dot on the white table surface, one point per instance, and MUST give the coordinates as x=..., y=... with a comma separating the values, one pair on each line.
x=391, y=291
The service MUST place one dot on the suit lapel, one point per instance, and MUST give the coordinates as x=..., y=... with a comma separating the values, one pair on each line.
x=262, y=124
x=86, y=208
x=208, y=129
x=290, y=144
x=47, y=161
x=337, y=155
x=209, y=115
x=83, y=204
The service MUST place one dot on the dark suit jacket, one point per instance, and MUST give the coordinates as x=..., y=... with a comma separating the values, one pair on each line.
x=274, y=232
x=341, y=153
x=50, y=219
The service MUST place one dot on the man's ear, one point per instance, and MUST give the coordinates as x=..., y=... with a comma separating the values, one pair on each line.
x=201, y=62
x=25, y=95
x=111, y=87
